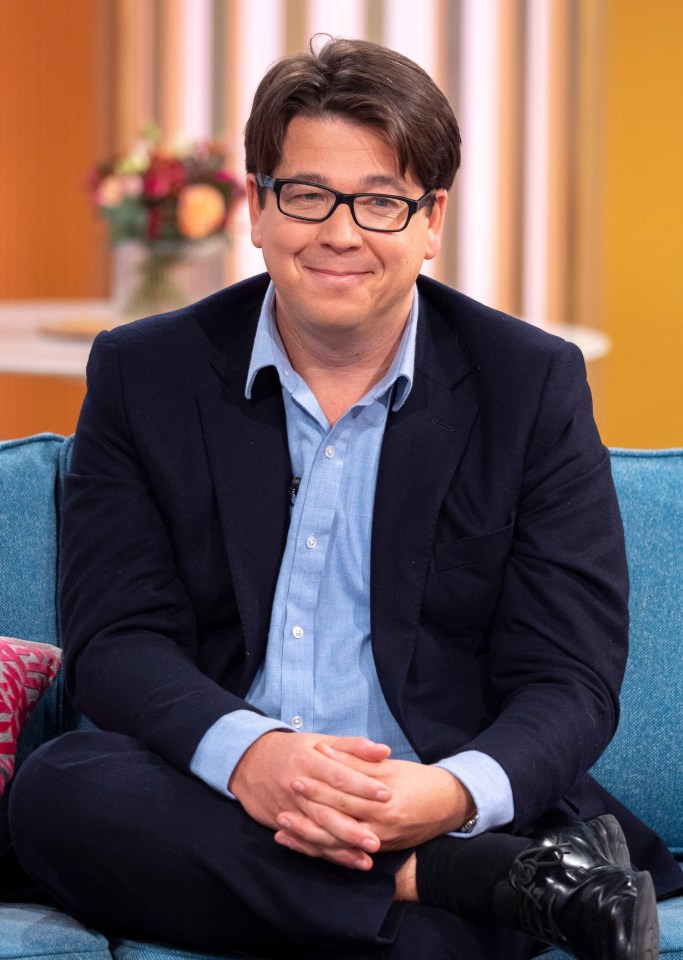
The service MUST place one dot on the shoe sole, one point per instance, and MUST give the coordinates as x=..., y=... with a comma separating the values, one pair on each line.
x=644, y=944
x=608, y=829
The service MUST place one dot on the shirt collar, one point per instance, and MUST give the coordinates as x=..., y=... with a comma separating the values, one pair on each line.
x=268, y=351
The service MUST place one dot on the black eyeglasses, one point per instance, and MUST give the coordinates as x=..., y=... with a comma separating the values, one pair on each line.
x=380, y=212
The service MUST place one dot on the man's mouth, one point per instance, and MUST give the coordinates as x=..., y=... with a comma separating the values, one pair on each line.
x=337, y=272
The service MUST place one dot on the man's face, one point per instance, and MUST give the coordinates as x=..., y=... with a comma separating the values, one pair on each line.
x=334, y=276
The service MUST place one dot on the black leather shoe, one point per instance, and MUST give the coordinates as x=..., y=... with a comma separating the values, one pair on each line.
x=575, y=889
x=611, y=840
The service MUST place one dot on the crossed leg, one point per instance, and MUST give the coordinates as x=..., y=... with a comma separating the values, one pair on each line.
x=129, y=845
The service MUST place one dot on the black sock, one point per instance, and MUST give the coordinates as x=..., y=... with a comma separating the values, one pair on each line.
x=461, y=875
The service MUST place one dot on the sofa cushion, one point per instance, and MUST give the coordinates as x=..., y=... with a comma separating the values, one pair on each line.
x=26, y=671
x=33, y=932
x=132, y=950
x=643, y=766
x=29, y=478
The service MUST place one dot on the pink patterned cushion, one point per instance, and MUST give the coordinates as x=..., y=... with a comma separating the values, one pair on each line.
x=26, y=671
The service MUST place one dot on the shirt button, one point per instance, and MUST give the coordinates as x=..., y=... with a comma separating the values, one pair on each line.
x=329, y=452
x=311, y=542
x=297, y=721
x=297, y=633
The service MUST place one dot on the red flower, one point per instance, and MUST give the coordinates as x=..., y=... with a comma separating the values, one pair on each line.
x=164, y=176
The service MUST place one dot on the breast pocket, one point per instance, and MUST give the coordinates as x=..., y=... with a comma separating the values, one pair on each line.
x=462, y=592
x=483, y=549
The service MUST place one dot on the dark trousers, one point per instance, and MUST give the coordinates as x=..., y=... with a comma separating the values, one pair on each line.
x=133, y=847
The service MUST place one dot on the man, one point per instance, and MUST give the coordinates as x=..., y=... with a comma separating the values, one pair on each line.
x=343, y=587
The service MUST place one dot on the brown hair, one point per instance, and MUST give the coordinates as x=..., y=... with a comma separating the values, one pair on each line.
x=364, y=83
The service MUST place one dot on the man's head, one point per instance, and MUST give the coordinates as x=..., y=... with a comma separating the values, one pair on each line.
x=350, y=153
x=362, y=83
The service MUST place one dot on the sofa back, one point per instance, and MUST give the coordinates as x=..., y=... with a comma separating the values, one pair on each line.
x=643, y=766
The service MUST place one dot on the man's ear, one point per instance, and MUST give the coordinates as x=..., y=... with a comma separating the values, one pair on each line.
x=255, y=210
x=435, y=224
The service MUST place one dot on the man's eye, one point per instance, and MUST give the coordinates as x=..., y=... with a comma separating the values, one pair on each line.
x=379, y=203
x=305, y=196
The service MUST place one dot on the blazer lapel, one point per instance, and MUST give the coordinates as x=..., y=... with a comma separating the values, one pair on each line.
x=423, y=444
x=248, y=454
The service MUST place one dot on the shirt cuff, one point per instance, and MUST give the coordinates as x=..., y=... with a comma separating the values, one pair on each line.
x=489, y=786
x=221, y=748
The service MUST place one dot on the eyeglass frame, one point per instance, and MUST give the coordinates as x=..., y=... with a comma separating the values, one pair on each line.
x=276, y=184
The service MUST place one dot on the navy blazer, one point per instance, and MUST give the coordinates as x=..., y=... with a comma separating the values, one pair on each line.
x=498, y=573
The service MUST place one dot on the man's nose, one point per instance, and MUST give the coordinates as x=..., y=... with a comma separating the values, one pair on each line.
x=341, y=230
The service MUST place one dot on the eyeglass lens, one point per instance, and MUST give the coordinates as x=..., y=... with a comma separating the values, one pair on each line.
x=372, y=210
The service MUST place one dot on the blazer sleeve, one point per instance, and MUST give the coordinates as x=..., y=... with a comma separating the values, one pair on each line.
x=130, y=632
x=560, y=631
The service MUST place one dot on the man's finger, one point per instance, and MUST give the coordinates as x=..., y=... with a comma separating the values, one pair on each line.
x=360, y=808
x=351, y=761
x=326, y=827
x=360, y=747
x=344, y=857
x=340, y=775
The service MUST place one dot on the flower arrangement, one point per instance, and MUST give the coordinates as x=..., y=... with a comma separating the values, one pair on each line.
x=154, y=194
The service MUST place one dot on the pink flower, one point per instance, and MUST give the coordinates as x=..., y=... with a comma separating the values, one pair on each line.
x=131, y=184
x=109, y=192
x=114, y=189
x=164, y=177
x=201, y=211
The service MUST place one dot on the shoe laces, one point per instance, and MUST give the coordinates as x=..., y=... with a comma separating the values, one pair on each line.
x=536, y=906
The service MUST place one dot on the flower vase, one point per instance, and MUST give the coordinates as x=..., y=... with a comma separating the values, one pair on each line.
x=164, y=275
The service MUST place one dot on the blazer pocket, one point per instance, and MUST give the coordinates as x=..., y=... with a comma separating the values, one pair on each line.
x=461, y=553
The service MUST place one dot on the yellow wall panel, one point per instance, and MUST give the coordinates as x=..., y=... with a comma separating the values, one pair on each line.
x=643, y=224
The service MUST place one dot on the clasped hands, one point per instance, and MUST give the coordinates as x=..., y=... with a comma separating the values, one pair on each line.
x=343, y=798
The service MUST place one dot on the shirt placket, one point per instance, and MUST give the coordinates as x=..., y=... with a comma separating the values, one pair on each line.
x=318, y=500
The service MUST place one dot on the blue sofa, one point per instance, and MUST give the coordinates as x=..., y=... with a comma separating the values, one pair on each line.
x=643, y=766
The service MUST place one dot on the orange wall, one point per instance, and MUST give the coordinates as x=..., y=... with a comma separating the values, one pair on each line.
x=31, y=405
x=642, y=283
x=54, y=115
x=53, y=127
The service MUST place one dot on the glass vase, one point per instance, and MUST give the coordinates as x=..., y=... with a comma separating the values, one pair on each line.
x=158, y=276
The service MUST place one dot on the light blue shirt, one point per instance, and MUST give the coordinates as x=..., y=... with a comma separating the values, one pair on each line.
x=319, y=674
